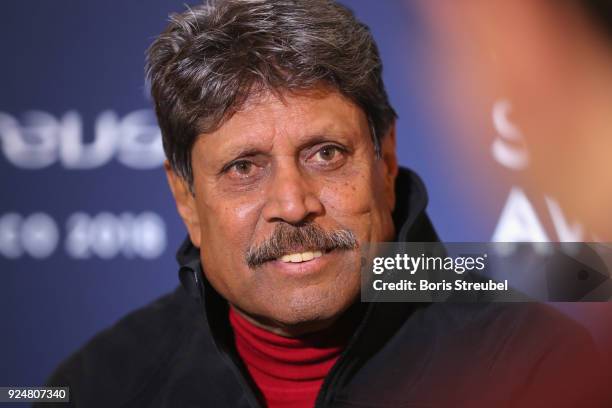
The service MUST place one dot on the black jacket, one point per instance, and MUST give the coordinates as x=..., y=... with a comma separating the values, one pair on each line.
x=178, y=351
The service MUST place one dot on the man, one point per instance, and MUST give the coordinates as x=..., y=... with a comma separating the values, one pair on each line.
x=280, y=142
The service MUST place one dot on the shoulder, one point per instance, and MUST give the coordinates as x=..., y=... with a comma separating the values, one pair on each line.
x=123, y=358
x=535, y=323
x=498, y=354
x=560, y=361
x=529, y=351
x=534, y=328
x=517, y=316
x=522, y=339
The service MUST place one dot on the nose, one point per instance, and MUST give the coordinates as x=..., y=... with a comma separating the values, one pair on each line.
x=292, y=197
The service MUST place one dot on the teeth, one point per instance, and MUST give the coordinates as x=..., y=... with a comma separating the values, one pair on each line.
x=307, y=256
x=301, y=257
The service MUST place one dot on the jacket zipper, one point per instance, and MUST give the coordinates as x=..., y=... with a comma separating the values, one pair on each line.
x=229, y=361
x=335, y=374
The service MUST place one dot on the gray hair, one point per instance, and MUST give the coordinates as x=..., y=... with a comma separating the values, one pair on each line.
x=213, y=56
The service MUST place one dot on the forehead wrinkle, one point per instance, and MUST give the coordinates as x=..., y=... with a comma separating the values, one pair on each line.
x=290, y=105
x=296, y=119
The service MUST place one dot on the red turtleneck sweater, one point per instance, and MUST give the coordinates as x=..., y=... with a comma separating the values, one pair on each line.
x=288, y=371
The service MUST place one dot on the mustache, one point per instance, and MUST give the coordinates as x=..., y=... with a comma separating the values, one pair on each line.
x=287, y=239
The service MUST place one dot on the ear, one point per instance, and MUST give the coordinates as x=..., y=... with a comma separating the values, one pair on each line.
x=185, y=203
x=389, y=164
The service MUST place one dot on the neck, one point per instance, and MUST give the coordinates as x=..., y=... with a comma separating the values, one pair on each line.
x=346, y=321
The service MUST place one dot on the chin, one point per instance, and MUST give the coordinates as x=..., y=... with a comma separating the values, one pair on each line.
x=309, y=312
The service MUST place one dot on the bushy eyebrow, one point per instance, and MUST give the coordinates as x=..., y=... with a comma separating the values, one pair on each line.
x=244, y=151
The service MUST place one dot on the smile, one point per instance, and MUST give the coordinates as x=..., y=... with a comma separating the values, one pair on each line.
x=300, y=257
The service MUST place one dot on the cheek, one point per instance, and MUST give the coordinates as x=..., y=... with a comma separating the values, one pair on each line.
x=346, y=198
x=357, y=204
x=229, y=214
x=355, y=193
x=227, y=229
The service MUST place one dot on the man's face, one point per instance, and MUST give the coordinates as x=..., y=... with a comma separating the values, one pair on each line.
x=269, y=174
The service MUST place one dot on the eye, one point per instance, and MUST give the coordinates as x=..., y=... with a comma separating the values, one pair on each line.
x=327, y=153
x=242, y=167
x=329, y=156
